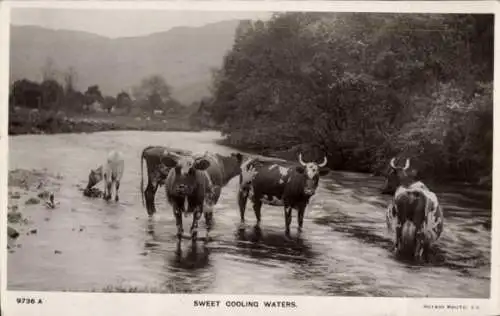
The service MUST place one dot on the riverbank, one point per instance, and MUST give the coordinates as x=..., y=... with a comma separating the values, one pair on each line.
x=25, y=121
x=27, y=189
x=310, y=152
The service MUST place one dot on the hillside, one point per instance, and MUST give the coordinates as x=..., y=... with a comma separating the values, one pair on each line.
x=183, y=55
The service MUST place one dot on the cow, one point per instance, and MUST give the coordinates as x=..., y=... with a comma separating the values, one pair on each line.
x=391, y=182
x=111, y=172
x=198, y=180
x=414, y=216
x=156, y=172
x=278, y=183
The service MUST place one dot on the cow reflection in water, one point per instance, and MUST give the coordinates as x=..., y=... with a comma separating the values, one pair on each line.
x=273, y=245
x=194, y=257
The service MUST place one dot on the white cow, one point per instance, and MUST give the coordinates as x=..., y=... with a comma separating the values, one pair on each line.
x=111, y=171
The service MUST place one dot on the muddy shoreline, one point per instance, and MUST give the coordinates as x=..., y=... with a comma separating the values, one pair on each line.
x=27, y=189
x=24, y=122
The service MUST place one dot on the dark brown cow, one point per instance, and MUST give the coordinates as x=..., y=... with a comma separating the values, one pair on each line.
x=156, y=171
x=414, y=216
x=279, y=183
x=198, y=180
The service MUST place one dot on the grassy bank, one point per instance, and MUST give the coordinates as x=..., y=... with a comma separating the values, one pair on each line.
x=24, y=121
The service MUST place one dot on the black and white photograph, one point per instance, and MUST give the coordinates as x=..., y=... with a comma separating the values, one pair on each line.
x=252, y=152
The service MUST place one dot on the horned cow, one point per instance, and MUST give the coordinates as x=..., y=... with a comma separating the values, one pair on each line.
x=414, y=215
x=278, y=183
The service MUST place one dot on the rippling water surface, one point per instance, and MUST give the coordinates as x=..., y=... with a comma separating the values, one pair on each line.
x=344, y=249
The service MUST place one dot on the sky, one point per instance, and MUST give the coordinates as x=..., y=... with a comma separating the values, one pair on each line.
x=123, y=23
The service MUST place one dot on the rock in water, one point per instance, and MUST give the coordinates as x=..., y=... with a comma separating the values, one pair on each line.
x=12, y=233
x=32, y=200
x=44, y=195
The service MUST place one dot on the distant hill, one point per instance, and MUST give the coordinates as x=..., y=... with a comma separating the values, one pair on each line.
x=184, y=56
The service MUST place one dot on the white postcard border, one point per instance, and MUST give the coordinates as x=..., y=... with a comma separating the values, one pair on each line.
x=70, y=303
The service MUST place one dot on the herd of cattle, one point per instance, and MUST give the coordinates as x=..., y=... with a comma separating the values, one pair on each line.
x=193, y=184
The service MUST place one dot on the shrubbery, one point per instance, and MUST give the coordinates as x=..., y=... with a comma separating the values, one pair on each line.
x=363, y=88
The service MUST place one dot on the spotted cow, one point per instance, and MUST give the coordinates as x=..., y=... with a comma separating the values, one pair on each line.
x=279, y=183
x=196, y=181
x=156, y=172
x=414, y=215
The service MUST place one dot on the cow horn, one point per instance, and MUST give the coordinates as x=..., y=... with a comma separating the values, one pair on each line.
x=300, y=160
x=325, y=161
x=392, y=163
x=407, y=165
x=244, y=165
x=166, y=152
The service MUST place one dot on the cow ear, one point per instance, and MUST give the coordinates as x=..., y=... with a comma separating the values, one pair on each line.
x=169, y=161
x=323, y=172
x=201, y=164
x=300, y=169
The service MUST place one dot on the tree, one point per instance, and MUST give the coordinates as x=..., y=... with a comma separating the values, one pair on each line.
x=108, y=103
x=123, y=101
x=52, y=93
x=26, y=93
x=362, y=87
x=74, y=101
x=70, y=77
x=153, y=91
x=93, y=94
x=49, y=71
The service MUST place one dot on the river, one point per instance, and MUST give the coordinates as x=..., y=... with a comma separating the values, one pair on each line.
x=90, y=245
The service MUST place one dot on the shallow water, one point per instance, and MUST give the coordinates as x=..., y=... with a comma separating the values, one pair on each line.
x=344, y=249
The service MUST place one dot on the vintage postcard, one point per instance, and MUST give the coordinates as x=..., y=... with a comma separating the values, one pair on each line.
x=220, y=158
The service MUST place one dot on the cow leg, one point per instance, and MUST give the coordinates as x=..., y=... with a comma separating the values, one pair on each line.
x=426, y=252
x=398, y=237
x=208, y=219
x=288, y=220
x=105, y=193
x=149, y=195
x=117, y=187
x=105, y=190
x=422, y=250
x=257, y=206
x=178, y=221
x=300, y=219
x=194, y=226
x=242, y=203
x=110, y=186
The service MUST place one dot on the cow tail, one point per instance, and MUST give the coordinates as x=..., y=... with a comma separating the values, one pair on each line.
x=142, y=176
x=408, y=235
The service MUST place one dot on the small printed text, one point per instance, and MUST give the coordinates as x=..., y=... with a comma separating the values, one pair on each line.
x=29, y=300
x=456, y=307
x=251, y=304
